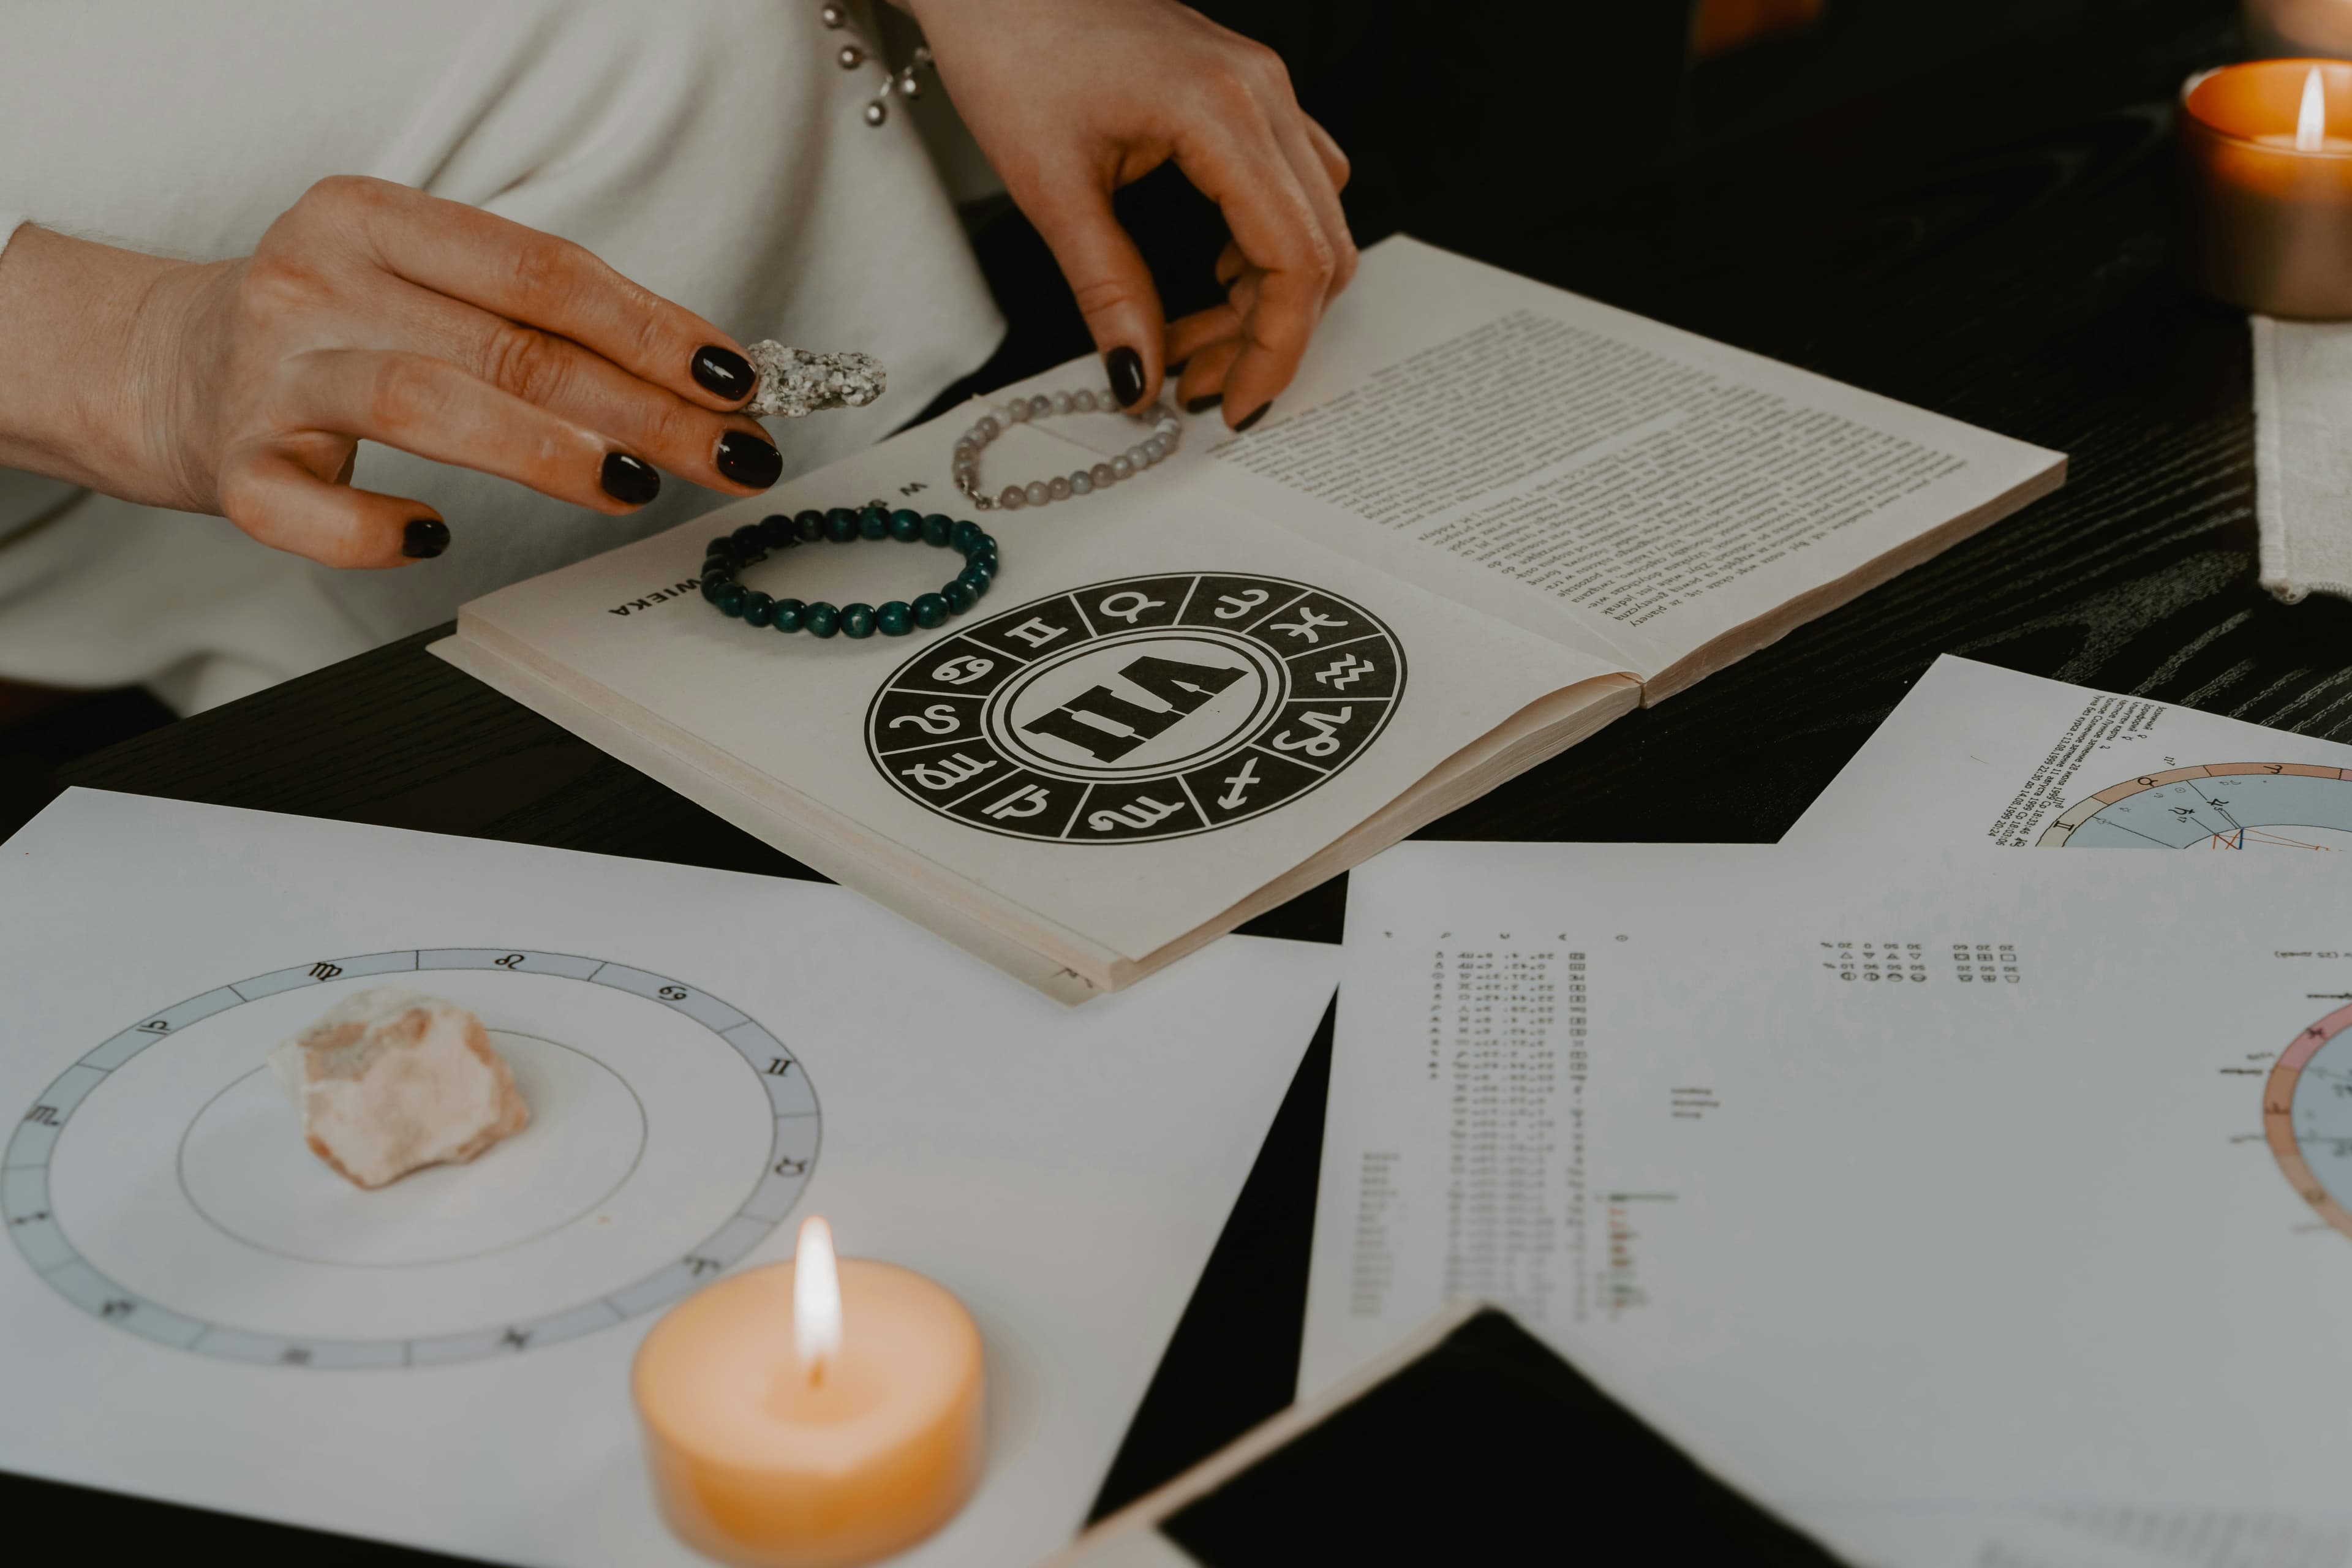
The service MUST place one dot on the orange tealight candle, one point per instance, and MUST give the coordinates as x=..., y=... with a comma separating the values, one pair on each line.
x=812, y=1413
x=2269, y=186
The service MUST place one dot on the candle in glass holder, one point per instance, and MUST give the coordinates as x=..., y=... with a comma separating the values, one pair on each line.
x=812, y=1414
x=2269, y=186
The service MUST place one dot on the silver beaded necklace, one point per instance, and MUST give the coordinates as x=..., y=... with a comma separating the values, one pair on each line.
x=859, y=49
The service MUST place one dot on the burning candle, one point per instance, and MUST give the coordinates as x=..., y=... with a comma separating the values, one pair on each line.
x=812, y=1413
x=2269, y=186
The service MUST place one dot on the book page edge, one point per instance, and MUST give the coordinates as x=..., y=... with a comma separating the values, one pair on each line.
x=1528, y=739
x=1068, y=977
x=1721, y=652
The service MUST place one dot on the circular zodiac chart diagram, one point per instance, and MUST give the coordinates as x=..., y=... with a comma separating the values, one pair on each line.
x=1146, y=708
x=163, y=1186
x=2220, y=806
x=2307, y=1116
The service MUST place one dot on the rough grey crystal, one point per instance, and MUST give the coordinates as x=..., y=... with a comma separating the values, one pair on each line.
x=796, y=382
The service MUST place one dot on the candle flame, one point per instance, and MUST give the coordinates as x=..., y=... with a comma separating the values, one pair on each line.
x=2311, y=124
x=817, y=1298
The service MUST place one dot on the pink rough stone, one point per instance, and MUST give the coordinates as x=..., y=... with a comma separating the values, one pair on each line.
x=389, y=1081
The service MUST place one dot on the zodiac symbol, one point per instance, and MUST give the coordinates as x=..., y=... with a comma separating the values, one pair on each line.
x=325, y=971
x=511, y=961
x=1036, y=632
x=939, y=718
x=1240, y=782
x=1243, y=602
x=1143, y=812
x=1321, y=744
x=1345, y=671
x=963, y=669
x=1304, y=626
x=514, y=1339
x=948, y=774
x=1127, y=606
x=1029, y=800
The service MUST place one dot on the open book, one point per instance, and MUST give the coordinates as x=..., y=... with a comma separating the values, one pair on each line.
x=1487, y=519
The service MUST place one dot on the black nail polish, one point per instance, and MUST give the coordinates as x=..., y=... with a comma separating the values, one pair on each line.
x=630, y=480
x=424, y=539
x=723, y=371
x=1252, y=418
x=1204, y=403
x=1125, y=368
x=747, y=460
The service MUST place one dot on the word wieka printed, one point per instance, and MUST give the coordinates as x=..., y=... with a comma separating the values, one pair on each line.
x=675, y=590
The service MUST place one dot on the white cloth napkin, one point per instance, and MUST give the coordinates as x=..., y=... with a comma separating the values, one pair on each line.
x=2302, y=456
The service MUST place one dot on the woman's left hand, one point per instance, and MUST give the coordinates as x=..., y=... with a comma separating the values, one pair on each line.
x=1073, y=99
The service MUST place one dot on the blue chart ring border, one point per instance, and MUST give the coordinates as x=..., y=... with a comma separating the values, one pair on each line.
x=31, y=1222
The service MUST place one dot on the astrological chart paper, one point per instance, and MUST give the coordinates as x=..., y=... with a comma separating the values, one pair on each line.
x=192, y=1308
x=1964, y=1208
x=1978, y=755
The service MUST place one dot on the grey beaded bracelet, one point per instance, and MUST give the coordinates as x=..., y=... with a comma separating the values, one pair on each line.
x=1165, y=430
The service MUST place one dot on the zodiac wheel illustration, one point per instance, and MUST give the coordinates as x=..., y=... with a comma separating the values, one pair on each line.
x=2307, y=1116
x=161, y=1184
x=2218, y=805
x=1143, y=707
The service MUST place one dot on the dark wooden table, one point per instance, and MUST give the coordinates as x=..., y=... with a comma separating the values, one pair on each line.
x=1985, y=234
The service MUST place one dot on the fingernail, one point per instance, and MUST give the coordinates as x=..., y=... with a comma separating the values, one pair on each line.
x=747, y=460
x=1203, y=404
x=724, y=371
x=424, y=538
x=1125, y=368
x=630, y=480
x=1249, y=419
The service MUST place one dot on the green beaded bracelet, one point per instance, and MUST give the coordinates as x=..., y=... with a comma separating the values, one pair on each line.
x=723, y=571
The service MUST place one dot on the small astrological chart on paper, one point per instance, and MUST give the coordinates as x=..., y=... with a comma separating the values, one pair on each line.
x=1147, y=708
x=670, y=1134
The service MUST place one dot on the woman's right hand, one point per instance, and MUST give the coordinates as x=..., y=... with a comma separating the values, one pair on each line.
x=368, y=311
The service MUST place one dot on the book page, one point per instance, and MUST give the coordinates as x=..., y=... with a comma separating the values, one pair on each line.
x=1962, y=1208
x=199, y=1310
x=1978, y=755
x=1481, y=496
x=1603, y=479
x=1164, y=703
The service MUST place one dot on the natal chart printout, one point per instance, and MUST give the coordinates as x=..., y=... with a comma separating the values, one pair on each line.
x=1978, y=755
x=198, y=1310
x=1968, y=1209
